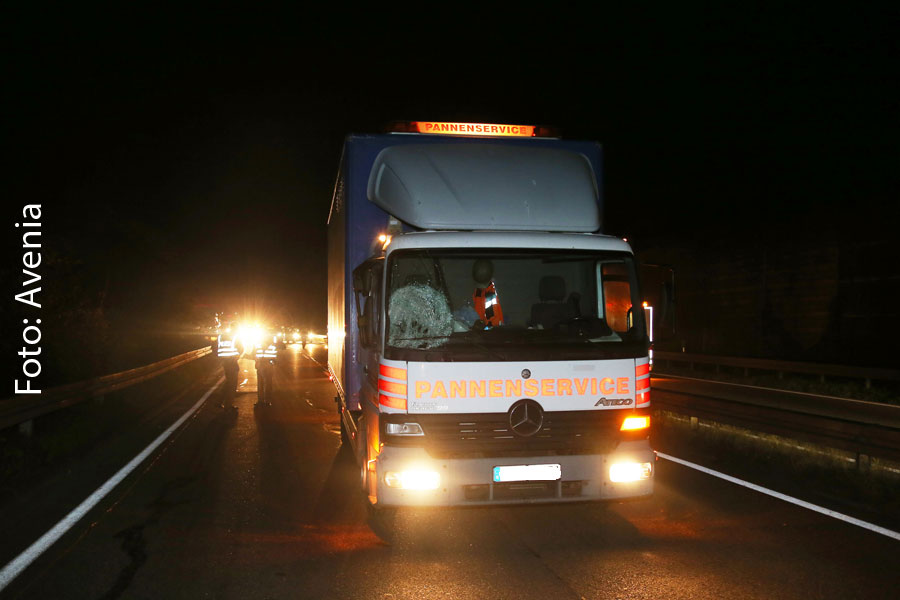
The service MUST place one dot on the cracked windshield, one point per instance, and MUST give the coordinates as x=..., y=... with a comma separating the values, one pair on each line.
x=500, y=299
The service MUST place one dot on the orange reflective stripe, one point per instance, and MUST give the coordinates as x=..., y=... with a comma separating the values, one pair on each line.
x=390, y=386
x=391, y=402
x=392, y=372
x=641, y=370
x=643, y=384
x=643, y=398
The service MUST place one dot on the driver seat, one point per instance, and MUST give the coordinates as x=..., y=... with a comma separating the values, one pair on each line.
x=553, y=308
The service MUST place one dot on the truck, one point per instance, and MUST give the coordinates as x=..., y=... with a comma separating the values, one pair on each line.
x=487, y=342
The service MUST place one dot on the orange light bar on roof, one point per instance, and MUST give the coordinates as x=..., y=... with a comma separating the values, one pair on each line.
x=486, y=129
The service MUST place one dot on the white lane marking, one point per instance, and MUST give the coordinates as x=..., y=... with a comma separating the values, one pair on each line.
x=780, y=496
x=21, y=562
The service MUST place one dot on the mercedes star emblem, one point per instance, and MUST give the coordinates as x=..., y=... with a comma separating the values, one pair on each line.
x=526, y=417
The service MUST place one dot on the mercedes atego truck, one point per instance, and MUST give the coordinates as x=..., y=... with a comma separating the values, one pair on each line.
x=486, y=340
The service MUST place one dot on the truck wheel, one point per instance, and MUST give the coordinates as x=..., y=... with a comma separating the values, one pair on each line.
x=382, y=521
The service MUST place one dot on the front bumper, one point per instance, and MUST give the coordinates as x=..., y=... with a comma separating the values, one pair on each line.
x=469, y=481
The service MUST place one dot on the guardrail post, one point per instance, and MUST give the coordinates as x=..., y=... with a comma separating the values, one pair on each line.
x=695, y=423
x=26, y=428
x=863, y=462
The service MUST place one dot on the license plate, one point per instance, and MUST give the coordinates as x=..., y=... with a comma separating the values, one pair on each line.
x=527, y=473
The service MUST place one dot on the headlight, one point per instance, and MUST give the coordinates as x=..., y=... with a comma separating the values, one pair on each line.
x=413, y=479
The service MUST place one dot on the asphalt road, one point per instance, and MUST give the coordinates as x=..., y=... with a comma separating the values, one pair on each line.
x=262, y=502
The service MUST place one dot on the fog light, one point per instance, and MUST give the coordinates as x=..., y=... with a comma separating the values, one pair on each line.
x=629, y=471
x=413, y=479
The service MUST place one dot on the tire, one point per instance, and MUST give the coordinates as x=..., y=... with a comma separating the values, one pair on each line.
x=382, y=521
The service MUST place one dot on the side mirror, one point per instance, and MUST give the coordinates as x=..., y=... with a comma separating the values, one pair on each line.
x=360, y=282
x=363, y=323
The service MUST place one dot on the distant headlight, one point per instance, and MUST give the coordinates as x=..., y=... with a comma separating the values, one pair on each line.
x=250, y=336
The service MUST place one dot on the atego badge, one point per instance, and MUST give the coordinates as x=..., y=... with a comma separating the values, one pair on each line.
x=613, y=402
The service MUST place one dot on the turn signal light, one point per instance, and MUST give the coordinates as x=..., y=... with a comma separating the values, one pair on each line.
x=633, y=423
x=403, y=429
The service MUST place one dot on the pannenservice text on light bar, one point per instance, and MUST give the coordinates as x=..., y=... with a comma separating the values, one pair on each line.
x=489, y=129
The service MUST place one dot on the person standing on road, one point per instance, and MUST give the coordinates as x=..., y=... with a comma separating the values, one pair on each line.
x=266, y=356
x=229, y=349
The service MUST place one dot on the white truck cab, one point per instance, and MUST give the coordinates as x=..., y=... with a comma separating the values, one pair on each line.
x=488, y=345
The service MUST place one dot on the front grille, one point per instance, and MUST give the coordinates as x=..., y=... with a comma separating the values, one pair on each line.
x=487, y=435
x=522, y=490
x=525, y=490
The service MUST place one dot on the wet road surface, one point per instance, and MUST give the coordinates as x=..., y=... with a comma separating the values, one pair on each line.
x=262, y=502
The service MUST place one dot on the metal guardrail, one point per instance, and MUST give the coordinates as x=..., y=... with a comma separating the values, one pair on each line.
x=780, y=366
x=20, y=409
x=866, y=429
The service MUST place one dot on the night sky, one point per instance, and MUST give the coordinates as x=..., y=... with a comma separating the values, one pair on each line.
x=185, y=162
